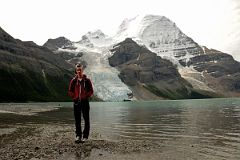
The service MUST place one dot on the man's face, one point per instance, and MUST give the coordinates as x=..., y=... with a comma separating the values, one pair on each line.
x=79, y=71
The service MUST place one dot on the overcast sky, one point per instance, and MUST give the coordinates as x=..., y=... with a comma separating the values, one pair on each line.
x=214, y=23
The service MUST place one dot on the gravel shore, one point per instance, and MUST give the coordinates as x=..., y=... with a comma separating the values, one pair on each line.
x=57, y=142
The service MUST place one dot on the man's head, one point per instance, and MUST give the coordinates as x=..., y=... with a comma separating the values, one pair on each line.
x=79, y=69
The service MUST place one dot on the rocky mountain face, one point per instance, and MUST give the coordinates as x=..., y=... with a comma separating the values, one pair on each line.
x=64, y=48
x=141, y=68
x=219, y=71
x=205, y=69
x=30, y=72
x=60, y=42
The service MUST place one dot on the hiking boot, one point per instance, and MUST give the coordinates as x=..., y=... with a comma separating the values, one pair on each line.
x=84, y=140
x=77, y=139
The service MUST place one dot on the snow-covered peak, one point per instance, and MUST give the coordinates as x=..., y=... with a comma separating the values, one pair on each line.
x=160, y=35
x=98, y=34
x=136, y=27
x=95, y=39
x=128, y=28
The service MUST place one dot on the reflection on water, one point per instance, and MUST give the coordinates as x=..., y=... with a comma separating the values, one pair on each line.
x=212, y=126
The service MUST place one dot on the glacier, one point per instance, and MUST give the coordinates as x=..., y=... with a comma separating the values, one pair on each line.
x=95, y=49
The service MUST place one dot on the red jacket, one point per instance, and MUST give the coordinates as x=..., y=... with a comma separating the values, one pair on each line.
x=86, y=88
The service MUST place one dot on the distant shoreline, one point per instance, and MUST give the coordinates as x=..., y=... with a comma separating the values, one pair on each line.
x=21, y=109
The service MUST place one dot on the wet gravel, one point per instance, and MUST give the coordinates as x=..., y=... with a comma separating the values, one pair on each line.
x=57, y=142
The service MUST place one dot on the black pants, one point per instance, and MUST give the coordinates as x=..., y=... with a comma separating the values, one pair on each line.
x=83, y=108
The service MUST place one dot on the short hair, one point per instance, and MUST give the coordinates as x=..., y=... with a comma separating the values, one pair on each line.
x=78, y=65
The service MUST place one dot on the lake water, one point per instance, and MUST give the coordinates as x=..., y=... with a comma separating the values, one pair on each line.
x=210, y=125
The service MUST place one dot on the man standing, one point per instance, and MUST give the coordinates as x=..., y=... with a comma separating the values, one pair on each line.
x=80, y=89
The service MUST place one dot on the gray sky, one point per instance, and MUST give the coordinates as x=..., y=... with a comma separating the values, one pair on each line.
x=213, y=23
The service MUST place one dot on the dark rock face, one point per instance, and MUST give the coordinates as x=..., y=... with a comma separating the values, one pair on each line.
x=220, y=66
x=231, y=82
x=61, y=42
x=30, y=72
x=4, y=36
x=215, y=63
x=69, y=55
x=138, y=65
x=126, y=51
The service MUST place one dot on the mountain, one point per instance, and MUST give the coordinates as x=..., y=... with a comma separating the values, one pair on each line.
x=144, y=71
x=161, y=36
x=54, y=44
x=30, y=72
x=152, y=58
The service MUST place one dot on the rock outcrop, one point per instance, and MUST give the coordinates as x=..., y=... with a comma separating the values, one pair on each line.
x=60, y=42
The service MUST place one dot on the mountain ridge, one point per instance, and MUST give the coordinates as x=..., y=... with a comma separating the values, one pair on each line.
x=164, y=38
x=148, y=56
x=30, y=72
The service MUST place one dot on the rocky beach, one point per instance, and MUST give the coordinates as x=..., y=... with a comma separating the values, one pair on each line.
x=57, y=142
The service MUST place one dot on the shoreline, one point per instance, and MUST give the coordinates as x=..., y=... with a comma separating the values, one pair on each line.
x=57, y=142
x=26, y=110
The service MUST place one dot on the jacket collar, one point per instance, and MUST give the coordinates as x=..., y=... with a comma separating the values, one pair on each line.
x=84, y=77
